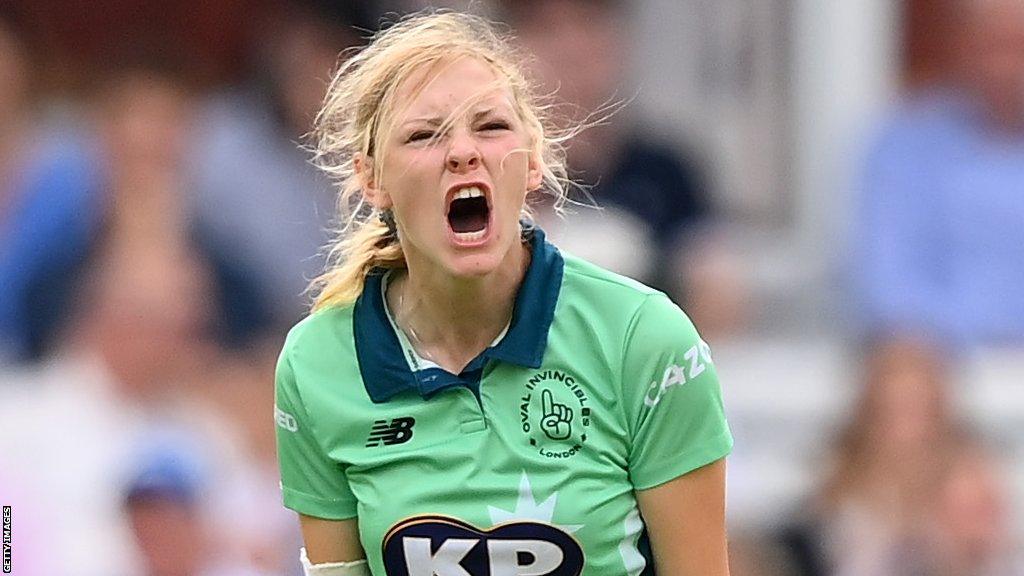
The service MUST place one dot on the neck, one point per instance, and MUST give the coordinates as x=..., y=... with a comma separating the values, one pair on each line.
x=450, y=320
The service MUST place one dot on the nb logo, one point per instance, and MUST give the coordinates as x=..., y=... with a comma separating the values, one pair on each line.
x=285, y=420
x=399, y=431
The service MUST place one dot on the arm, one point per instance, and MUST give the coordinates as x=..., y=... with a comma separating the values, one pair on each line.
x=685, y=519
x=331, y=540
x=314, y=485
x=679, y=439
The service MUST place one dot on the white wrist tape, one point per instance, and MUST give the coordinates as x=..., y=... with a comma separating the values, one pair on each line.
x=357, y=568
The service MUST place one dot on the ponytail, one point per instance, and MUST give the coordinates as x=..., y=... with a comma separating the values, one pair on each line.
x=370, y=246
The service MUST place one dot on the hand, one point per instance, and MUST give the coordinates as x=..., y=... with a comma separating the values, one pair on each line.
x=555, y=418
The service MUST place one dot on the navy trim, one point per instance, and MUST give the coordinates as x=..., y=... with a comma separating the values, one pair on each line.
x=644, y=546
x=383, y=366
x=534, y=310
x=378, y=351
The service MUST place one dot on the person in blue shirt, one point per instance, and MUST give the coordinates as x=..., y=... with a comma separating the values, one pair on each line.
x=49, y=204
x=939, y=231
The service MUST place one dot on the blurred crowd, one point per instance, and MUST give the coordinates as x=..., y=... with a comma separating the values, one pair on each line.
x=159, y=223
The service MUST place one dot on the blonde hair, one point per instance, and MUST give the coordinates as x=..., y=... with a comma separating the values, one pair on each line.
x=359, y=112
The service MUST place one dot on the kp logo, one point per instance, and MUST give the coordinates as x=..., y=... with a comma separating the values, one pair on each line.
x=399, y=431
x=441, y=546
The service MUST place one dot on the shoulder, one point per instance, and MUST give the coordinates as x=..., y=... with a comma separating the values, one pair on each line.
x=318, y=354
x=581, y=276
x=620, y=305
x=321, y=331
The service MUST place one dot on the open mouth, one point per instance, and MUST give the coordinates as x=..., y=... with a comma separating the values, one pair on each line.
x=468, y=213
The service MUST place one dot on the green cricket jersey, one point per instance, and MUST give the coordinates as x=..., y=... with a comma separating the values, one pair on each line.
x=525, y=463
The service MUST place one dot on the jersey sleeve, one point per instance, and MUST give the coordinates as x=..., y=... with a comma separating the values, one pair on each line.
x=311, y=483
x=672, y=396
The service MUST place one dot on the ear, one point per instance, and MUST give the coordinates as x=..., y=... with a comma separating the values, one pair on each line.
x=534, y=173
x=372, y=191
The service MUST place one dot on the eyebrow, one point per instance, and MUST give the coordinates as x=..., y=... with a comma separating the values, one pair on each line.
x=432, y=120
x=438, y=121
x=485, y=112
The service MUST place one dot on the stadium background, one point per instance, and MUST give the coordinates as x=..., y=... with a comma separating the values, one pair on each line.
x=157, y=221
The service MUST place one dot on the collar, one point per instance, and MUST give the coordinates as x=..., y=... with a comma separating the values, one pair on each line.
x=385, y=368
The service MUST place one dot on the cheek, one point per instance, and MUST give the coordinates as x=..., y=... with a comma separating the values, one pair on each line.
x=512, y=163
x=411, y=176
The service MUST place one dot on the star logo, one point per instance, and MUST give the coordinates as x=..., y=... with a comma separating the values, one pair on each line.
x=527, y=508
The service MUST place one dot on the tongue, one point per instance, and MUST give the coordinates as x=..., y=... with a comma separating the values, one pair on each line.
x=468, y=215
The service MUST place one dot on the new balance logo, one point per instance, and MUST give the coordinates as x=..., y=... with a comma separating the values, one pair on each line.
x=399, y=431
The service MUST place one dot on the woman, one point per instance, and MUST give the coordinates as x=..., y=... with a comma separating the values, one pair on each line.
x=465, y=399
x=872, y=514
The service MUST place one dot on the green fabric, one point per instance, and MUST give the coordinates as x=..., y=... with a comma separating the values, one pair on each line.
x=538, y=473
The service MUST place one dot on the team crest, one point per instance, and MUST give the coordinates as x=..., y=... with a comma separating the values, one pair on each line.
x=554, y=412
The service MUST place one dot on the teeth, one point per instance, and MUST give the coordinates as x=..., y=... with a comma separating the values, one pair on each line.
x=470, y=192
x=471, y=236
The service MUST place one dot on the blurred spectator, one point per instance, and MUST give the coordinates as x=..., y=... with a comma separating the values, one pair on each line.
x=258, y=199
x=970, y=534
x=144, y=128
x=136, y=354
x=133, y=361
x=162, y=505
x=871, y=517
x=122, y=174
x=165, y=502
x=939, y=240
x=150, y=230
x=69, y=428
x=49, y=204
x=652, y=197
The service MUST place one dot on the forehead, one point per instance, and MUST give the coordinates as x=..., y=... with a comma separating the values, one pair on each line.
x=447, y=86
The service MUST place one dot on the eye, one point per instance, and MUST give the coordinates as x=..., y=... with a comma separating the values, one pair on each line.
x=420, y=135
x=495, y=125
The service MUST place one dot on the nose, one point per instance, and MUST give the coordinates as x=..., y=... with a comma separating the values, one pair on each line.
x=463, y=155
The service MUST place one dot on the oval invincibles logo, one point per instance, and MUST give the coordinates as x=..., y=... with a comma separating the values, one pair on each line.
x=554, y=411
x=442, y=546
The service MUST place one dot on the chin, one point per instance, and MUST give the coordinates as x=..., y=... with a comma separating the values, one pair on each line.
x=476, y=264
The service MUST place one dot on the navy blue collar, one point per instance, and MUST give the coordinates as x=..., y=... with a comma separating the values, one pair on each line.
x=385, y=370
